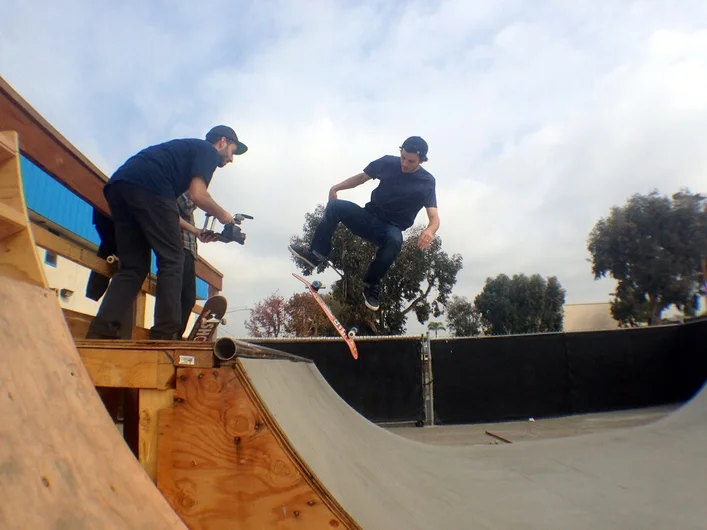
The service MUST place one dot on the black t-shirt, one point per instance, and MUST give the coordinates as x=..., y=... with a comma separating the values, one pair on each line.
x=399, y=196
x=167, y=169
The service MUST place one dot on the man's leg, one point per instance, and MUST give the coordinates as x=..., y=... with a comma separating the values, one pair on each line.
x=360, y=221
x=188, y=289
x=389, y=239
x=134, y=254
x=159, y=220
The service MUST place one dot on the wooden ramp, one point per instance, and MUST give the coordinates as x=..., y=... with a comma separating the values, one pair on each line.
x=63, y=463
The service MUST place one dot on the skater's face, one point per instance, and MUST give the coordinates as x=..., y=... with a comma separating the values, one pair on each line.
x=226, y=149
x=409, y=162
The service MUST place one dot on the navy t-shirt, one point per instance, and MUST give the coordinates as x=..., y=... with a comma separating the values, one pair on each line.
x=399, y=196
x=167, y=169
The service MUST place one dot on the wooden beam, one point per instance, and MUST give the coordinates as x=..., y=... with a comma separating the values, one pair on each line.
x=79, y=255
x=48, y=149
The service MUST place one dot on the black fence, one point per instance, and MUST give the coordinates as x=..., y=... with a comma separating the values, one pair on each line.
x=384, y=384
x=546, y=375
x=514, y=377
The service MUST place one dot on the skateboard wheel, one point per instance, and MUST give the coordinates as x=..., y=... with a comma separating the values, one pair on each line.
x=110, y=259
x=316, y=284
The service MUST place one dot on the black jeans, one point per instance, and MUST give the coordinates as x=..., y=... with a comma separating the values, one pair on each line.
x=188, y=289
x=386, y=237
x=143, y=222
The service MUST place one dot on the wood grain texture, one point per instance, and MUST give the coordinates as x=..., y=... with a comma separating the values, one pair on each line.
x=63, y=463
x=221, y=465
x=18, y=259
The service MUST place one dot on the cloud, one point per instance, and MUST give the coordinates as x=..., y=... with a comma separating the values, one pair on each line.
x=540, y=116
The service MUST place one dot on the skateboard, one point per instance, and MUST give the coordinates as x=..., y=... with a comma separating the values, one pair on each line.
x=314, y=290
x=211, y=316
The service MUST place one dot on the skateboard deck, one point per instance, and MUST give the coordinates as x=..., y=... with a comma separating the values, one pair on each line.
x=313, y=289
x=211, y=316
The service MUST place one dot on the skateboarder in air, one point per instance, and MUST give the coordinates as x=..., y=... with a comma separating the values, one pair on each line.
x=142, y=195
x=405, y=188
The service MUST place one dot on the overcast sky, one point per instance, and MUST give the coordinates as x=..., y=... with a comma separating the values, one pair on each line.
x=540, y=115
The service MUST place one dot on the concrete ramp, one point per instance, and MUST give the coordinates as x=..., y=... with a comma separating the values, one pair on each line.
x=648, y=477
x=63, y=463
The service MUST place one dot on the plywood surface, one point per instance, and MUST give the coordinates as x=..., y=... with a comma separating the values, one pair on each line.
x=63, y=463
x=221, y=464
x=647, y=477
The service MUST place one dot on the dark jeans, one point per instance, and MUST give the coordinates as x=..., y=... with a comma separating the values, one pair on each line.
x=143, y=222
x=188, y=289
x=386, y=237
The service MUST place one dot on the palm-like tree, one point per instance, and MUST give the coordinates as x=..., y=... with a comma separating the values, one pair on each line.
x=436, y=327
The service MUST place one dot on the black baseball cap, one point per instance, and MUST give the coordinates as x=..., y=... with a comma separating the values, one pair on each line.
x=224, y=130
x=415, y=144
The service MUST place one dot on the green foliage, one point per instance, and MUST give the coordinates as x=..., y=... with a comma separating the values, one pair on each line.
x=419, y=281
x=654, y=246
x=436, y=327
x=521, y=304
x=463, y=318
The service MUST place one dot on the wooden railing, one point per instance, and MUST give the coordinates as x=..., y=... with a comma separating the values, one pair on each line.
x=48, y=149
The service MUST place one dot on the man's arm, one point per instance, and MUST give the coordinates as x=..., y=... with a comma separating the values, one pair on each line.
x=348, y=184
x=201, y=197
x=428, y=234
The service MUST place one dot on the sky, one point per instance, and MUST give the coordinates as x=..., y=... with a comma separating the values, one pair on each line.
x=540, y=115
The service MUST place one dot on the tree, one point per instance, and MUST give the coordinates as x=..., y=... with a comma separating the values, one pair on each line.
x=521, y=304
x=419, y=282
x=653, y=246
x=463, y=318
x=306, y=319
x=268, y=318
x=436, y=327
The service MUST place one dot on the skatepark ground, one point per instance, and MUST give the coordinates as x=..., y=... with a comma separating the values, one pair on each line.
x=525, y=431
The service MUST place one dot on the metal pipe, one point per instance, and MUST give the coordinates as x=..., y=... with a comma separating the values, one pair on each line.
x=225, y=349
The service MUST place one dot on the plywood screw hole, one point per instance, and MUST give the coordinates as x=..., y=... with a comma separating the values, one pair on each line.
x=310, y=503
x=237, y=440
x=182, y=377
x=179, y=400
x=215, y=374
x=201, y=376
x=257, y=426
x=296, y=514
x=334, y=523
x=45, y=481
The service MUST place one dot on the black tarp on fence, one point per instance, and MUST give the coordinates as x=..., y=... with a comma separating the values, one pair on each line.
x=383, y=385
x=545, y=375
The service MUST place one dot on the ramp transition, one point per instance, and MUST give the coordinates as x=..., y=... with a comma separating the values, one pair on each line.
x=63, y=463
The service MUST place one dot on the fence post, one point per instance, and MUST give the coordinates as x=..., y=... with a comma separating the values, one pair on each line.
x=427, y=380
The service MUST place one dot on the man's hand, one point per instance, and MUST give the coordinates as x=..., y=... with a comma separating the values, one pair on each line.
x=425, y=239
x=226, y=218
x=206, y=236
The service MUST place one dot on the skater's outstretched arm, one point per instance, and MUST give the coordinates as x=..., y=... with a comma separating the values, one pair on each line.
x=428, y=233
x=201, y=197
x=348, y=184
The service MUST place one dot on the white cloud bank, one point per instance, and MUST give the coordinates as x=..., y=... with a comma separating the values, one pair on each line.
x=540, y=116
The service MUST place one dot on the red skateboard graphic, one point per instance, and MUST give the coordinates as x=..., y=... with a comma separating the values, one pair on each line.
x=313, y=289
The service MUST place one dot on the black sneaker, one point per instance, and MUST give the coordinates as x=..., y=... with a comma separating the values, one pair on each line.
x=306, y=255
x=371, y=296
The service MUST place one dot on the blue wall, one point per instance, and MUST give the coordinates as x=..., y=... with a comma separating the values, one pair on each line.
x=50, y=199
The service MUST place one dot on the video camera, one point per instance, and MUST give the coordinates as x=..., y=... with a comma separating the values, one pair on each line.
x=231, y=232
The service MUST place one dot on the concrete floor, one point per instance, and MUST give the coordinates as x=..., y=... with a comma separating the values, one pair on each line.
x=523, y=431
